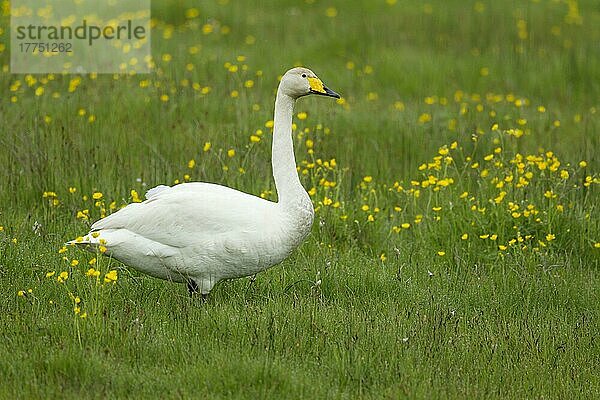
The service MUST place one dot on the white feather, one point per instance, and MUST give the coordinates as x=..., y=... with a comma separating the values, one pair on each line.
x=156, y=190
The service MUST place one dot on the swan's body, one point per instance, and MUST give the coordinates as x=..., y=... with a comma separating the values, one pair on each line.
x=201, y=233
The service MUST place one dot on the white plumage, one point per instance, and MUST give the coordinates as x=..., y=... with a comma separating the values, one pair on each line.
x=200, y=233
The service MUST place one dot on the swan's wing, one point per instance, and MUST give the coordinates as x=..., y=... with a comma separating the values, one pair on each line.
x=156, y=190
x=184, y=214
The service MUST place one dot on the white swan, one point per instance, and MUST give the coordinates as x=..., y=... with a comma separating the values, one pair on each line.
x=200, y=233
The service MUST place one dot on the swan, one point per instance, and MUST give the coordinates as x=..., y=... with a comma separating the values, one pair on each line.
x=201, y=233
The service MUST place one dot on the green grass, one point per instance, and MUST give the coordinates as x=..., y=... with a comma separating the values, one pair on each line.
x=511, y=311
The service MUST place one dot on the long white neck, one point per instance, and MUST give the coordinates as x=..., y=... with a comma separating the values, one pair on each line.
x=287, y=183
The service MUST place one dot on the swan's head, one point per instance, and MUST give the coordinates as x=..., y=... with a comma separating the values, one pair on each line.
x=298, y=82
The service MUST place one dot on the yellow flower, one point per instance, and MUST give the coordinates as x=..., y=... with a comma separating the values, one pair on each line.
x=582, y=164
x=331, y=12
x=63, y=276
x=372, y=96
x=302, y=115
x=21, y=293
x=464, y=236
x=368, y=178
x=191, y=13
x=425, y=117
x=441, y=253
x=230, y=153
x=382, y=257
x=110, y=277
x=191, y=163
x=327, y=201
x=365, y=207
x=405, y=225
x=74, y=263
x=550, y=237
x=135, y=197
x=50, y=274
x=97, y=195
x=92, y=273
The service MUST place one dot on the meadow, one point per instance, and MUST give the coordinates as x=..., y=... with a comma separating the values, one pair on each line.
x=456, y=245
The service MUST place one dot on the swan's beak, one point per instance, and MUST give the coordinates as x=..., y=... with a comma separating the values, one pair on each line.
x=317, y=87
x=327, y=92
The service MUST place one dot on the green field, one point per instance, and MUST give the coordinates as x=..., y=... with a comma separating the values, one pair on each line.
x=456, y=245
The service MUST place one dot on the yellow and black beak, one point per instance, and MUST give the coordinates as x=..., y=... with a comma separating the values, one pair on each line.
x=317, y=87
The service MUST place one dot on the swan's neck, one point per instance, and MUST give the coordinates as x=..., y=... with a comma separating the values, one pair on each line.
x=287, y=184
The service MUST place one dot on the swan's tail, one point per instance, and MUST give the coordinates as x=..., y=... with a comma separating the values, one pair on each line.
x=90, y=242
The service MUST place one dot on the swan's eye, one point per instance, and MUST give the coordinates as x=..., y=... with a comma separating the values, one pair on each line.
x=304, y=75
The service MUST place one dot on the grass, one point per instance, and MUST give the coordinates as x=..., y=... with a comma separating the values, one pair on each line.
x=406, y=288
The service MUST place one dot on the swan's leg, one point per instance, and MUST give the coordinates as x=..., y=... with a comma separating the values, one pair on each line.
x=192, y=287
x=204, y=286
x=252, y=279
